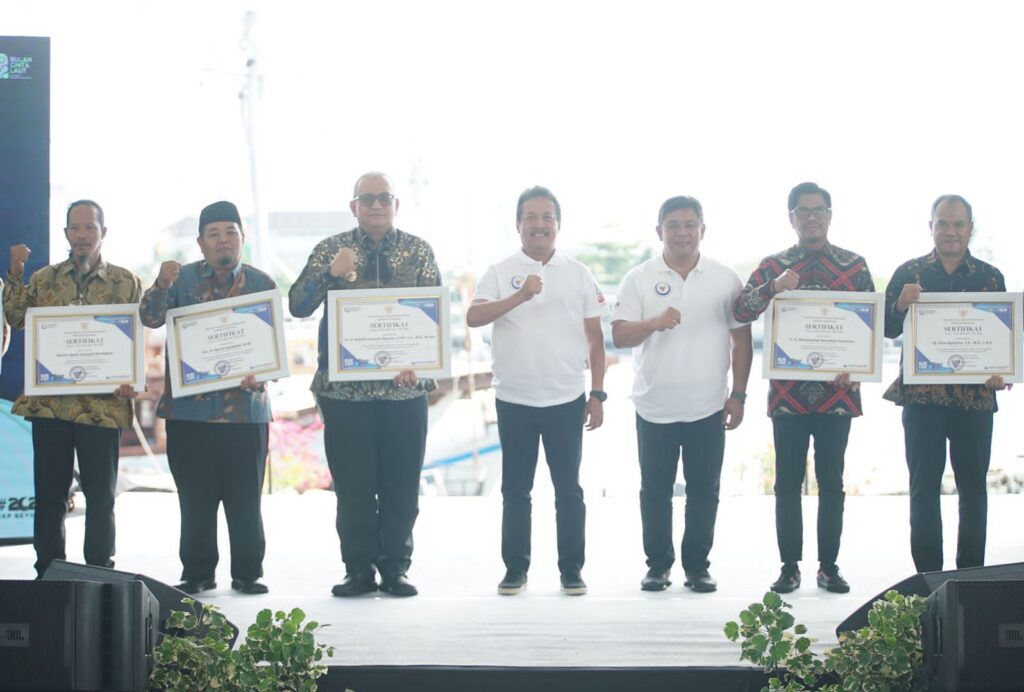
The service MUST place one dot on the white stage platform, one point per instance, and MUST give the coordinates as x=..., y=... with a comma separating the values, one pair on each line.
x=459, y=620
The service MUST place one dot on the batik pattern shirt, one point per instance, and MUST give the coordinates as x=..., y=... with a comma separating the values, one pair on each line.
x=971, y=276
x=56, y=286
x=196, y=283
x=400, y=260
x=829, y=269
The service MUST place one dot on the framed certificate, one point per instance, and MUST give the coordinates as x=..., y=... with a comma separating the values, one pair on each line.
x=83, y=349
x=962, y=338
x=816, y=335
x=374, y=334
x=215, y=345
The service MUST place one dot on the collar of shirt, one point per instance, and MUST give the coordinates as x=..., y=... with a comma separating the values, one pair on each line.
x=802, y=253
x=556, y=259
x=206, y=271
x=69, y=267
x=364, y=240
x=967, y=264
x=661, y=266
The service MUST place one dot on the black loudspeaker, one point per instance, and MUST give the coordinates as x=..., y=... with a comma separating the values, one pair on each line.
x=973, y=635
x=76, y=635
x=924, y=584
x=169, y=597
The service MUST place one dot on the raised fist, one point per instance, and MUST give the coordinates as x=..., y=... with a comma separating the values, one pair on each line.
x=169, y=271
x=19, y=255
x=344, y=262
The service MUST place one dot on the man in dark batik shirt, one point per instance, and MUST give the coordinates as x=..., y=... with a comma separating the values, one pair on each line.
x=216, y=442
x=932, y=414
x=801, y=410
x=375, y=432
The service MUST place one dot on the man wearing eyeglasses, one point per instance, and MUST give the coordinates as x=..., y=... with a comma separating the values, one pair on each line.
x=375, y=432
x=546, y=309
x=801, y=410
x=86, y=425
x=935, y=413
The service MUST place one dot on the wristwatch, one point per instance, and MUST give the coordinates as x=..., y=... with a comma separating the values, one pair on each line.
x=599, y=395
x=351, y=276
x=739, y=396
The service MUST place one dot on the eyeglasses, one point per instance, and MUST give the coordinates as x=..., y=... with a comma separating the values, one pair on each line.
x=385, y=199
x=804, y=213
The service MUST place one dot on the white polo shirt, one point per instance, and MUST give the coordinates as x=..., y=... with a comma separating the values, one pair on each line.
x=539, y=348
x=681, y=373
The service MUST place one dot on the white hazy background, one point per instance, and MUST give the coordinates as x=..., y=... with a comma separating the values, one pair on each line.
x=615, y=106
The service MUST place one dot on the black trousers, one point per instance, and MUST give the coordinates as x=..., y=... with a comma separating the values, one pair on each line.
x=792, y=438
x=54, y=444
x=703, y=447
x=925, y=430
x=521, y=429
x=375, y=452
x=213, y=463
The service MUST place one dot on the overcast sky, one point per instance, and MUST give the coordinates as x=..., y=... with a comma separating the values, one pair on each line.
x=615, y=106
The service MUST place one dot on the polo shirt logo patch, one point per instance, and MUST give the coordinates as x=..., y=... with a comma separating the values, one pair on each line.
x=662, y=288
x=517, y=282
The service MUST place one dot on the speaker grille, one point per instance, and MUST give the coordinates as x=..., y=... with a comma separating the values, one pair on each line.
x=49, y=657
x=991, y=623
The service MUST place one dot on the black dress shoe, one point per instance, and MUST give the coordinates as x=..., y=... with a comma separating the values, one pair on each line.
x=573, y=584
x=830, y=579
x=398, y=585
x=655, y=580
x=194, y=587
x=701, y=582
x=513, y=583
x=355, y=585
x=789, y=578
x=249, y=587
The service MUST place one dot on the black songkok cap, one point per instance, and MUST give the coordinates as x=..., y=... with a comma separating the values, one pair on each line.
x=219, y=211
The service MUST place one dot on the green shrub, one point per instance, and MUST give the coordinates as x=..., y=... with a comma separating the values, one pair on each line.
x=279, y=653
x=885, y=655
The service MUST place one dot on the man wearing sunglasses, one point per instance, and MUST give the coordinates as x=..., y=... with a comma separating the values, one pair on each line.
x=375, y=431
x=801, y=410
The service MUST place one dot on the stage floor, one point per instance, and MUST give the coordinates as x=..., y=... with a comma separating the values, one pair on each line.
x=459, y=620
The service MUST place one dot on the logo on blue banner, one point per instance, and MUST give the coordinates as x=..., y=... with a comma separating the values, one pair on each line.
x=15, y=67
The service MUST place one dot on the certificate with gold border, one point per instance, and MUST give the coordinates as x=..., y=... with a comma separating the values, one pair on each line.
x=373, y=334
x=963, y=338
x=83, y=349
x=215, y=345
x=817, y=335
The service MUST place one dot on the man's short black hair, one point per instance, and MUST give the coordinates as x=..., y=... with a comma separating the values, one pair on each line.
x=84, y=203
x=681, y=202
x=534, y=192
x=808, y=189
x=954, y=198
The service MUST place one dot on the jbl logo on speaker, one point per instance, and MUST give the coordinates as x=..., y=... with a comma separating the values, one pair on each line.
x=13, y=634
x=1011, y=636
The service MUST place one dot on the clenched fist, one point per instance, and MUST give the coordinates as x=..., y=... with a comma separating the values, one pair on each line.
x=344, y=262
x=532, y=286
x=910, y=294
x=789, y=280
x=667, y=320
x=169, y=272
x=19, y=256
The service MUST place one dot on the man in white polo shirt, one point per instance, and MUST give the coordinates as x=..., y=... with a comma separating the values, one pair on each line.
x=546, y=309
x=676, y=312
